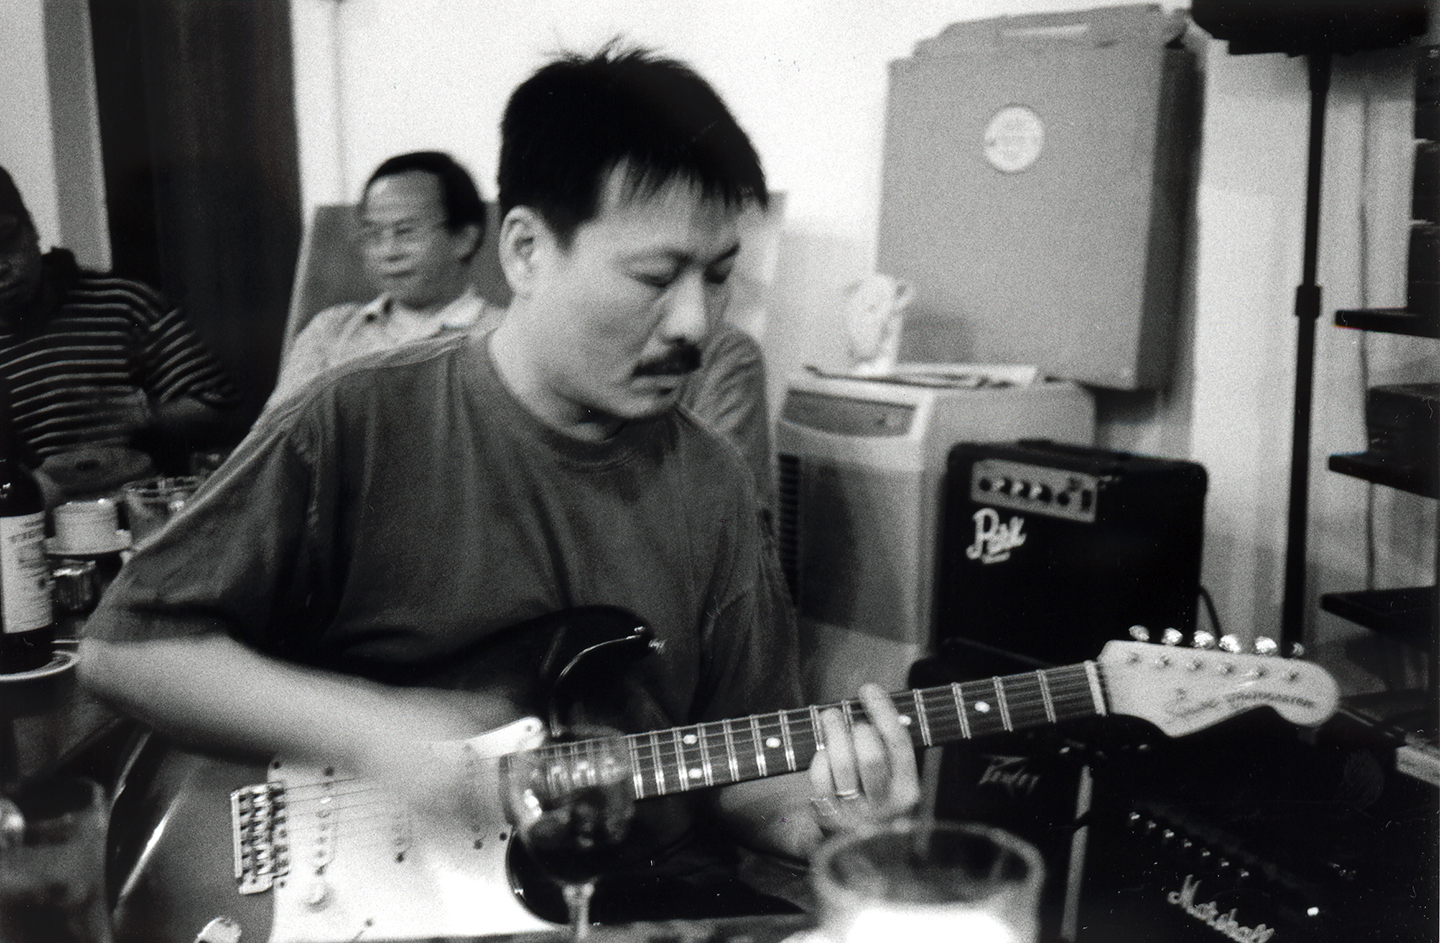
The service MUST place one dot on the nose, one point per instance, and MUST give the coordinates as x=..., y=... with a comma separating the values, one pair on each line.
x=689, y=313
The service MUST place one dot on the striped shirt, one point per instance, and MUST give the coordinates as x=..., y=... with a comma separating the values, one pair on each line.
x=104, y=337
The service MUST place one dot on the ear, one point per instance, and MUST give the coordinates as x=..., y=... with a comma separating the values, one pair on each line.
x=467, y=242
x=521, y=232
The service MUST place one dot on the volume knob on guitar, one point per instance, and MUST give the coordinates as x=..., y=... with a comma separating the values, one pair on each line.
x=317, y=894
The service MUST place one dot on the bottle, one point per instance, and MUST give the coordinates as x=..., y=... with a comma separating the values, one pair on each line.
x=27, y=629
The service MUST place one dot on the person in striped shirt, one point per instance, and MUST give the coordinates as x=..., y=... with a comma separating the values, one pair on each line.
x=99, y=366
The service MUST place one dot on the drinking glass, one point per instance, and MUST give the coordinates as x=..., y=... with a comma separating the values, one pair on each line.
x=153, y=501
x=52, y=863
x=572, y=803
x=926, y=882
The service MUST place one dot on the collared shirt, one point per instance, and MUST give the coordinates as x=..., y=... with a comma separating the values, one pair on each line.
x=344, y=332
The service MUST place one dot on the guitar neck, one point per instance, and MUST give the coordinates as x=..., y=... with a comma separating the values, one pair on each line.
x=718, y=753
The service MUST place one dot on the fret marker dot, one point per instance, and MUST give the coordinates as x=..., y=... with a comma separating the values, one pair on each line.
x=690, y=738
x=694, y=773
x=982, y=706
x=772, y=742
x=905, y=720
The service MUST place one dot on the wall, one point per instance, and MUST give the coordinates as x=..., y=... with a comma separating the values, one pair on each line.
x=807, y=79
x=49, y=140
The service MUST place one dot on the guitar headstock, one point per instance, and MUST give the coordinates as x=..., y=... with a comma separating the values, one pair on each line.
x=1182, y=690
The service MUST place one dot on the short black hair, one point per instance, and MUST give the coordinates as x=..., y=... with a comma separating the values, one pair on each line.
x=578, y=118
x=10, y=200
x=463, y=206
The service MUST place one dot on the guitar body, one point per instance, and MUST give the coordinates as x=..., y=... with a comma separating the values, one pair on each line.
x=170, y=825
x=344, y=861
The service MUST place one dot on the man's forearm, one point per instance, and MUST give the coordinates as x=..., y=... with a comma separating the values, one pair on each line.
x=186, y=418
x=214, y=693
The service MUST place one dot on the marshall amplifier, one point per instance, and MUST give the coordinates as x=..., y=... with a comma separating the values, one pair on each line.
x=1261, y=836
x=1047, y=551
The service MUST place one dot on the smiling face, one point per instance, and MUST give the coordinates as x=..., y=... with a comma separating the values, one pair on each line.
x=409, y=250
x=606, y=329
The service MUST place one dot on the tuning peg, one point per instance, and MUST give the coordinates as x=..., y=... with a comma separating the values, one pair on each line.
x=1172, y=637
x=1202, y=639
x=1230, y=643
x=1139, y=633
x=1265, y=645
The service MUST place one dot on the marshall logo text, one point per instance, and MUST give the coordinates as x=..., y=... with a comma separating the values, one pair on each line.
x=1209, y=913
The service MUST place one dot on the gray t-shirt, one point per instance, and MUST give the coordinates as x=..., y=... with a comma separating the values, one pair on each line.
x=408, y=508
x=405, y=510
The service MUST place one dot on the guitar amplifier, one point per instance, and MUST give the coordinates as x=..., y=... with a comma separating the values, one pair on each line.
x=1048, y=550
x=1250, y=831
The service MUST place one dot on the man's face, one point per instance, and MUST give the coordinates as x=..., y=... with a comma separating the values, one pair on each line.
x=19, y=263
x=628, y=304
x=409, y=252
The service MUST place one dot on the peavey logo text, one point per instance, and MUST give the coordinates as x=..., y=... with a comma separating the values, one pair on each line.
x=994, y=539
x=1009, y=773
x=1209, y=914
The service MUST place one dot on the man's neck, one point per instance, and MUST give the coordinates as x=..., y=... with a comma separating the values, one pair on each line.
x=434, y=308
x=515, y=364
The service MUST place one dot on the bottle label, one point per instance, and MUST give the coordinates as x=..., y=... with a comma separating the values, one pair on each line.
x=24, y=573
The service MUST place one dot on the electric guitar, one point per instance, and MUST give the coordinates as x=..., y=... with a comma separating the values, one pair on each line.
x=299, y=852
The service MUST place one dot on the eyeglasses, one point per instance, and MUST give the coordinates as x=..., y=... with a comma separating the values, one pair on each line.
x=405, y=233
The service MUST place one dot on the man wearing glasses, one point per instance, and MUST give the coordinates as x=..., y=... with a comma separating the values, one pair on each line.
x=421, y=223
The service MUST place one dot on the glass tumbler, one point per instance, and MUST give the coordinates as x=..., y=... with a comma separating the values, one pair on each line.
x=926, y=882
x=52, y=867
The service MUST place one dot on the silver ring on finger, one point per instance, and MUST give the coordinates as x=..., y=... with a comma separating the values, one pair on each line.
x=846, y=795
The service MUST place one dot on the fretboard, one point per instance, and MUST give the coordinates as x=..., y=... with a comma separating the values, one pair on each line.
x=665, y=762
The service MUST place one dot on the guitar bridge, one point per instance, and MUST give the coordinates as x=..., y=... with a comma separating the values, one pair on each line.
x=261, y=845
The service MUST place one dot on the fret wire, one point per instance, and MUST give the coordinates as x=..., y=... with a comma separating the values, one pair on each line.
x=959, y=697
x=680, y=771
x=923, y=718
x=760, y=764
x=705, y=756
x=1004, y=707
x=1045, y=694
x=734, y=761
x=636, y=775
x=847, y=710
x=816, y=732
x=789, y=741
x=659, y=767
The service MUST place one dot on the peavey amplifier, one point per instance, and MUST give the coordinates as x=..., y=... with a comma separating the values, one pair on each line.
x=1047, y=551
x=1258, y=834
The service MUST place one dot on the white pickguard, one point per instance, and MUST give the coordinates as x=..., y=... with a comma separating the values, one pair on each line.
x=361, y=868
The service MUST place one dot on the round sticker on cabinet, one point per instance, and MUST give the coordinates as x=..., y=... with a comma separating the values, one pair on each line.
x=1013, y=139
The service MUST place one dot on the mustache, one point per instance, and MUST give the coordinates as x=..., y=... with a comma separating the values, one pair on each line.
x=681, y=359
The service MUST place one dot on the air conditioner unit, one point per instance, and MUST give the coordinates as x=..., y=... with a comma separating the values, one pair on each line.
x=861, y=468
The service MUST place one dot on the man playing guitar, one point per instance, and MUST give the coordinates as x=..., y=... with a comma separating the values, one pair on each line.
x=345, y=590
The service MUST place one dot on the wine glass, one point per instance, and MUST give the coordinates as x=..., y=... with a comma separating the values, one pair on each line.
x=571, y=803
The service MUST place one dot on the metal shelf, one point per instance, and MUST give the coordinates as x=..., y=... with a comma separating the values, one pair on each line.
x=1408, y=614
x=1384, y=471
x=1390, y=321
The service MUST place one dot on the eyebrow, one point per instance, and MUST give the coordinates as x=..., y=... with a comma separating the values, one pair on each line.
x=681, y=257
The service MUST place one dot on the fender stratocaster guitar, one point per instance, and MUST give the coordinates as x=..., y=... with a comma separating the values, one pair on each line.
x=309, y=853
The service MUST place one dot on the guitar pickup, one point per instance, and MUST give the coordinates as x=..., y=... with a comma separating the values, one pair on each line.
x=259, y=836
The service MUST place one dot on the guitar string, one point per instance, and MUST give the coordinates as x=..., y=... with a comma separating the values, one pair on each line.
x=1066, y=686
x=647, y=755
